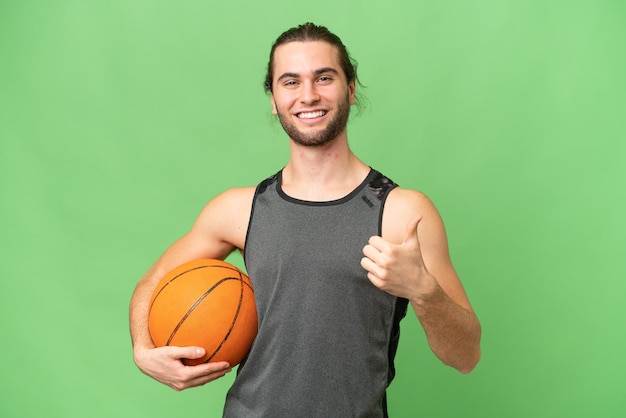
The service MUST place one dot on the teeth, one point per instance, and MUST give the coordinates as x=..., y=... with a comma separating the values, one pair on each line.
x=310, y=115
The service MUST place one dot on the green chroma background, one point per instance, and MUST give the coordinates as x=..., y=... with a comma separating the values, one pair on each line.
x=120, y=119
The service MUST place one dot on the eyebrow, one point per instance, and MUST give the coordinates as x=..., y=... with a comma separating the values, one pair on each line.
x=316, y=72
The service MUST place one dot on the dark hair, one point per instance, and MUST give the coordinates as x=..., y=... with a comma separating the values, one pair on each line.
x=311, y=32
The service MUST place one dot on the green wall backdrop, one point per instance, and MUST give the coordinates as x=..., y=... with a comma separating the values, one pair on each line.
x=120, y=119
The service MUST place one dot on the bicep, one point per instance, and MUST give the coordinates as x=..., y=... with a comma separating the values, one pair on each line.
x=219, y=229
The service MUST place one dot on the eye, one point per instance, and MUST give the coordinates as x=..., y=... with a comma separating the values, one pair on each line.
x=325, y=79
x=290, y=83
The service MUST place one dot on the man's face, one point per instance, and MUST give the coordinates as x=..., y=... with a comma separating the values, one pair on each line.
x=311, y=95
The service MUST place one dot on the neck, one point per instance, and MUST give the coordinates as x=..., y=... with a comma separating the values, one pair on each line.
x=323, y=173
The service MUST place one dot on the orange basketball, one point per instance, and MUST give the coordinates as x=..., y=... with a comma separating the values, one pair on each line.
x=206, y=303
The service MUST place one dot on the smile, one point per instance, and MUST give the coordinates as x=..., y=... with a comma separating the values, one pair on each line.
x=311, y=115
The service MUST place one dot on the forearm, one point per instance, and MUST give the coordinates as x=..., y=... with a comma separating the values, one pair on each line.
x=453, y=332
x=138, y=315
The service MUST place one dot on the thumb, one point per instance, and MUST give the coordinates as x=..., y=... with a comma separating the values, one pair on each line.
x=411, y=239
x=191, y=352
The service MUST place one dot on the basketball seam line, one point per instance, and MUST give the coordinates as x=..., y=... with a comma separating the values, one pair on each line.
x=192, y=269
x=235, y=317
x=195, y=305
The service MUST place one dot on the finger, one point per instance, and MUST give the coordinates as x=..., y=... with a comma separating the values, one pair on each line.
x=372, y=253
x=191, y=376
x=375, y=261
x=204, y=379
x=374, y=271
x=379, y=243
x=411, y=237
x=185, y=352
x=213, y=367
x=220, y=369
x=210, y=370
x=377, y=281
x=368, y=264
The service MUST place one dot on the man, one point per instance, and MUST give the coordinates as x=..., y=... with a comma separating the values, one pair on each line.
x=336, y=252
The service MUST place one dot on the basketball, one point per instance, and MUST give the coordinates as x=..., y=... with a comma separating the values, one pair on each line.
x=206, y=303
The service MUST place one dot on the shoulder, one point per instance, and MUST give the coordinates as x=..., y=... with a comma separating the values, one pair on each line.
x=231, y=202
x=400, y=198
x=227, y=215
x=403, y=205
x=406, y=203
x=237, y=195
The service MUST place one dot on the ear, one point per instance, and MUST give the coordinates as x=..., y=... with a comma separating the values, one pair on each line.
x=352, y=92
x=274, y=111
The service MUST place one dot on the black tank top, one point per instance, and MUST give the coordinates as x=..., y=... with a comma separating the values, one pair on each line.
x=327, y=336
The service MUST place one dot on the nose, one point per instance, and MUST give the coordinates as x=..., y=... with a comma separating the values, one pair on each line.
x=309, y=93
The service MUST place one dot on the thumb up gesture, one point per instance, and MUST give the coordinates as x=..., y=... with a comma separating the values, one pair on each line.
x=398, y=269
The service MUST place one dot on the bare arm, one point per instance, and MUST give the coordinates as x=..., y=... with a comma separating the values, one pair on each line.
x=412, y=260
x=220, y=229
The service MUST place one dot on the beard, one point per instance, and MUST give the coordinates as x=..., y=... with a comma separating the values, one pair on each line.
x=318, y=138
